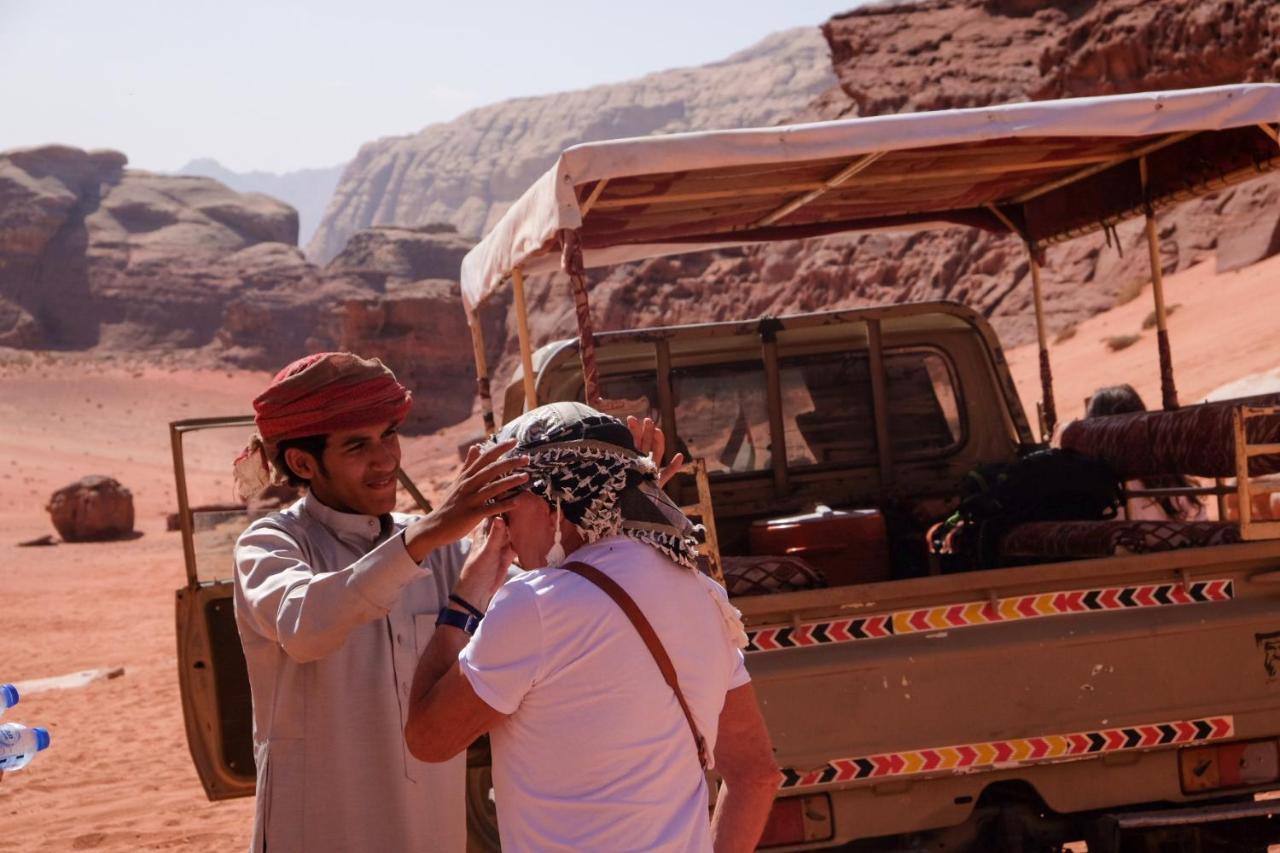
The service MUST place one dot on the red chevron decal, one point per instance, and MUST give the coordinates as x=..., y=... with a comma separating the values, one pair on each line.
x=764, y=639
x=919, y=620
x=1110, y=598
x=993, y=754
x=1145, y=596
x=803, y=636
x=1178, y=594
x=838, y=631
x=1027, y=606
x=877, y=626
x=955, y=615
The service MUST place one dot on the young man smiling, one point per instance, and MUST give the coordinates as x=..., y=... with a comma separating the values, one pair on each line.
x=336, y=597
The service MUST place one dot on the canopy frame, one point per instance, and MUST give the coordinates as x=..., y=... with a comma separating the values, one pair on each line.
x=1213, y=136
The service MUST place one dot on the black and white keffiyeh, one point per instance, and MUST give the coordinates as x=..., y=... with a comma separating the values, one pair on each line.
x=586, y=462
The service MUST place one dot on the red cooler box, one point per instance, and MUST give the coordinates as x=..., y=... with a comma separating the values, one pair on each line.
x=849, y=546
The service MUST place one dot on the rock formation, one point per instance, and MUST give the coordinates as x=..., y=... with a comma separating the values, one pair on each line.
x=467, y=170
x=306, y=190
x=92, y=508
x=94, y=255
x=940, y=54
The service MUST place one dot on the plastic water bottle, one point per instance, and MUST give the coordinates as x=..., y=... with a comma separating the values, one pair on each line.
x=8, y=697
x=19, y=744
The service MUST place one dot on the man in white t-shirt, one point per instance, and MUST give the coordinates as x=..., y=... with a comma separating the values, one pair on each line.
x=592, y=748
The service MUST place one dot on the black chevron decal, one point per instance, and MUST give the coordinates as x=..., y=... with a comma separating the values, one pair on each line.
x=1096, y=741
x=783, y=638
x=1203, y=729
x=819, y=632
x=1126, y=597
x=864, y=768
x=1167, y=733
x=1091, y=599
x=1132, y=737
x=1162, y=594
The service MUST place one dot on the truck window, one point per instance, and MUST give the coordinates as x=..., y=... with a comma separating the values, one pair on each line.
x=827, y=410
x=722, y=415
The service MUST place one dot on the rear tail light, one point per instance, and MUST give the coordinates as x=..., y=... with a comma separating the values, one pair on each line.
x=798, y=820
x=1230, y=765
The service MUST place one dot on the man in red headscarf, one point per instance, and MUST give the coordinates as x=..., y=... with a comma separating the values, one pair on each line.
x=336, y=597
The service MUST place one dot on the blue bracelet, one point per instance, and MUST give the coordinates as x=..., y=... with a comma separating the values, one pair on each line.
x=467, y=606
x=455, y=619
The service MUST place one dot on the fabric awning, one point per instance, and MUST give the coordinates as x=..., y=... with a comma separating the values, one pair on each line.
x=1046, y=170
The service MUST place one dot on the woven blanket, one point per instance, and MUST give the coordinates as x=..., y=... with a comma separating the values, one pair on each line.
x=1196, y=440
x=765, y=575
x=1088, y=539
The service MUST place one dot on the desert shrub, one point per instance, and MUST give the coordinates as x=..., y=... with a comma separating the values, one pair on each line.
x=1115, y=343
x=1149, y=322
x=1066, y=334
x=1130, y=290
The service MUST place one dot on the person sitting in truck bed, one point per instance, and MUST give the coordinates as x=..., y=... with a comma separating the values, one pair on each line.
x=1121, y=400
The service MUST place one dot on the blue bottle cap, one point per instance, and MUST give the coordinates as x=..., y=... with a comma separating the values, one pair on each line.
x=8, y=695
x=42, y=737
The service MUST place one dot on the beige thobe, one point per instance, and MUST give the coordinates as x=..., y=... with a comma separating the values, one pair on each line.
x=333, y=614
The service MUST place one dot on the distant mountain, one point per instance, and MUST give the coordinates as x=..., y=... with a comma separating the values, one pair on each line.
x=307, y=190
x=465, y=172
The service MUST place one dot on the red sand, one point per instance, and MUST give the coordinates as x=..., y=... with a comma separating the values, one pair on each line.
x=1223, y=329
x=118, y=775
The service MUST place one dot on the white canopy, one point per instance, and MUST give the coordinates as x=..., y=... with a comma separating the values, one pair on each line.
x=1046, y=170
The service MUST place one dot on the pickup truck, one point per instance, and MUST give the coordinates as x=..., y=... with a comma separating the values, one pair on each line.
x=1127, y=698
x=1018, y=708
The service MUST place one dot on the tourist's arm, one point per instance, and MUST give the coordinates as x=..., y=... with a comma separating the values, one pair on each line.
x=445, y=712
x=744, y=759
x=311, y=614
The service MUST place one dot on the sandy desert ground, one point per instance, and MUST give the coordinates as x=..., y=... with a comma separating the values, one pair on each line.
x=118, y=776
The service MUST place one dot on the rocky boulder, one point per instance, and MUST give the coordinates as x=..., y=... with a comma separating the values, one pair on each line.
x=91, y=509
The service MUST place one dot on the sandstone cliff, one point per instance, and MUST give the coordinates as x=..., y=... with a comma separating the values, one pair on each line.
x=467, y=170
x=939, y=54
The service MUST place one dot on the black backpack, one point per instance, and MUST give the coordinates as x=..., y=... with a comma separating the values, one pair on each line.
x=1046, y=485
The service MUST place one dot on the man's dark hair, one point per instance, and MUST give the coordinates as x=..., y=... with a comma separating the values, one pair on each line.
x=313, y=444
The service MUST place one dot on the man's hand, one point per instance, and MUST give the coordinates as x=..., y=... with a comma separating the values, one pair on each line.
x=649, y=440
x=471, y=498
x=485, y=569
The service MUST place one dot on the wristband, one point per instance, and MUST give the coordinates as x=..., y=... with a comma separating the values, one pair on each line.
x=454, y=619
x=467, y=606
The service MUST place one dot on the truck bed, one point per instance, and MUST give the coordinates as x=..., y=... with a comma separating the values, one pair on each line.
x=901, y=701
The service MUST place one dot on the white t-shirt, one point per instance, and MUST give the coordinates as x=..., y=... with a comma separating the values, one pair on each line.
x=596, y=753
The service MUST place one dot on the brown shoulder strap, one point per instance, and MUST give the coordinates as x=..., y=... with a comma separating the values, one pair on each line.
x=650, y=637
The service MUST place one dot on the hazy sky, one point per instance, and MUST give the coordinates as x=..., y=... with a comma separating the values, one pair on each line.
x=288, y=85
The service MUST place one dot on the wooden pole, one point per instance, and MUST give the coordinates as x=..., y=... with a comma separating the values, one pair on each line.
x=482, y=373
x=1168, y=391
x=769, y=328
x=880, y=402
x=526, y=349
x=1050, y=408
x=412, y=488
x=571, y=262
